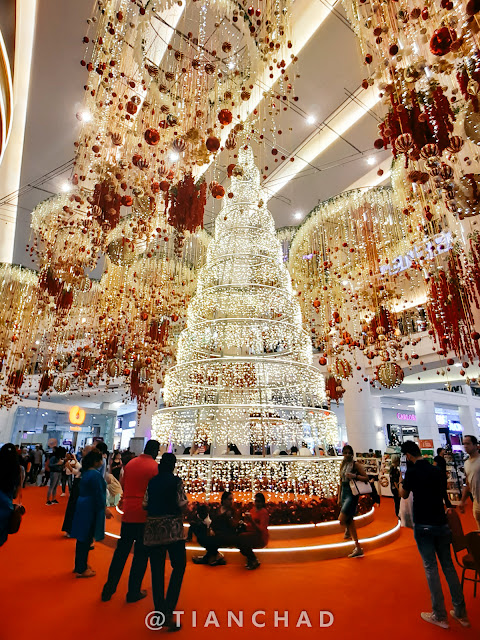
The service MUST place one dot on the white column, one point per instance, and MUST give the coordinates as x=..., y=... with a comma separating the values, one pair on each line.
x=363, y=415
x=427, y=425
x=7, y=418
x=467, y=414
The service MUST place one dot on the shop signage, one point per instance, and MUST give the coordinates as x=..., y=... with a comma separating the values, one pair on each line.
x=407, y=416
x=441, y=243
x=426, y=444
x=77, y=415
x=72, y=428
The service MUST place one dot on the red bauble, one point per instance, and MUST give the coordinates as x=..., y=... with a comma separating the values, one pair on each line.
x=378, y=144
x=212, y=144
x=225, y=116
x=164, y=185
x=442, y=40
x=152, y=137
x=230, y=169
x=322, y=361
x=218, y=191
x=473, y=7
x=136, y=158
x=131, y=108
x=127, y=201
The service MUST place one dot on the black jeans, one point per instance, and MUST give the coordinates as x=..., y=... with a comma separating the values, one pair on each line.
x=81, y=556
x=178, y=560
x=396, y=500
x=244, y=542
x=131, y=532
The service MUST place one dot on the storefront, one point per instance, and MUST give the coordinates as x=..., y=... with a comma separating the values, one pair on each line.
x=39, y=426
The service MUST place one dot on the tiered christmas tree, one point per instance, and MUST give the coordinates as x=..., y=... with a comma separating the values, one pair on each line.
x=244, y=370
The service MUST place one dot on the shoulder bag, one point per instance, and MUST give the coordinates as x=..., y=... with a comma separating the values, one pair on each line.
x=358, y=487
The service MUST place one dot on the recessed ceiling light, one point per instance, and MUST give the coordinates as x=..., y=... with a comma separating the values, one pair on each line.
x=370, y=160
x=65, y=187
x=174, y=156
x=298, y=215
x=84, y=116
x=231, y=64
x=457, y=364
x=310, y=120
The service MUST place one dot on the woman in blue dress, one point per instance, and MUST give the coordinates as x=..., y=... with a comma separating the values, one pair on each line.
x=90, y=512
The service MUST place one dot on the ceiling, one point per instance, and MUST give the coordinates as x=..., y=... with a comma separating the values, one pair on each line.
x=330, y=70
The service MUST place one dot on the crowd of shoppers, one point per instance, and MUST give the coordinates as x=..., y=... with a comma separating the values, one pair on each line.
x=153, y=501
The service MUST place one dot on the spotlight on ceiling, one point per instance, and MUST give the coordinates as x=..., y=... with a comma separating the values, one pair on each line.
x=310, y=120
x=65, y=187
x=84, y=116
x=173, y=156
x=231, y=64
x=298, y=215
x=370, y=160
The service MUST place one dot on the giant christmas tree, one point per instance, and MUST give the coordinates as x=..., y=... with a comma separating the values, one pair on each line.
x=244, y=370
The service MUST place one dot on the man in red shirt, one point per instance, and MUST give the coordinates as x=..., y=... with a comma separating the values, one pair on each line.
x=136, y=476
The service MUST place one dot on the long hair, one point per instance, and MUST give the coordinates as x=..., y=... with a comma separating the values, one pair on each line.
x=9, y=468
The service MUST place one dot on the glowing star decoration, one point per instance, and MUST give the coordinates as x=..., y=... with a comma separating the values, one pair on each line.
x=244, y=370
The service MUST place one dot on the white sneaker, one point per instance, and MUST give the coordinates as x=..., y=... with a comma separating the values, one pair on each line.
x=357, y=553
x=465, y=622
x=62, y=495
x=430, y=617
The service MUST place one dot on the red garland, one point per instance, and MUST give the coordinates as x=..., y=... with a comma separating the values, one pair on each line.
x=186, y=204
x=449, y=310
x=307, y=511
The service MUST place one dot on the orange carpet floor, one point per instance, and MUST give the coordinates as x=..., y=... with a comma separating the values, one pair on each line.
x=378, y=596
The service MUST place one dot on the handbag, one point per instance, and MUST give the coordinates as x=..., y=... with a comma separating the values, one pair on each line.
x=161, y=530
x=406, y=512
x=15, y=519
x=360, y=488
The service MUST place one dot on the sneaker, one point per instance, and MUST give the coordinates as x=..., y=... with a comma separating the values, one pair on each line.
x=200, y=560
x=220, y=561
x=465, y=622
x=137, y=596
x=171, y=624
x=88, y=573
x=431, y=617
x=252, y=565
x=62, y=495
x=49, y=502
x=55, y=502
x=357, y=553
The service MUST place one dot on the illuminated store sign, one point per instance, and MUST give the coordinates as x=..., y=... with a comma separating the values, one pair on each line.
x=441, y=243
x=407, y=416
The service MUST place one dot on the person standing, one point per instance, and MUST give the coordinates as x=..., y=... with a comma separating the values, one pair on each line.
x=37, y=462
x=90, y=512
x=116, y=465
x=350, y=469
x=440, y=462
x=136, y=476
x=394, y=482
x=472, y=472
x=432, y=535
x=10, y=486
x=55, y=465
x=165, y=502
